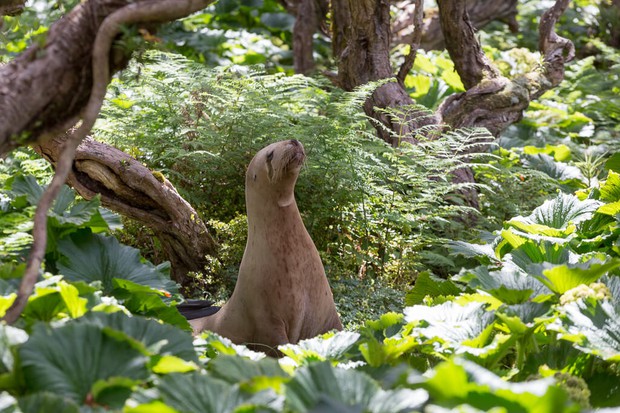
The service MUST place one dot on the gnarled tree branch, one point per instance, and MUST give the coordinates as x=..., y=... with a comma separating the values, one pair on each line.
x=494, y=101
x=131, y=189
x=138, y=12
x=469, y=60
x=481, y=13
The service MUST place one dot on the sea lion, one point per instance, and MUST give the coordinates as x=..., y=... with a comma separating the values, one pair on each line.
x=282, y=294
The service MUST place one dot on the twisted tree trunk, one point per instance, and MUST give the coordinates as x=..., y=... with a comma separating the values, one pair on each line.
x=361, y=44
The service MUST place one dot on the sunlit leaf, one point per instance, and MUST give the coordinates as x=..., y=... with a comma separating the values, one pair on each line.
x=510, y=285
x=429, y=285
x=610, y=189
x=157, y=338
x=558, y=214
x=330, y=346
x=593, y=325
x=561, y=278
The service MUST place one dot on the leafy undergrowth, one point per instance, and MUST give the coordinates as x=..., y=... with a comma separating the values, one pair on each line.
x=533, y=328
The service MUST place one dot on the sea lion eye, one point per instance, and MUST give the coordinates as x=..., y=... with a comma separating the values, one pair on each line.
x=269, y=156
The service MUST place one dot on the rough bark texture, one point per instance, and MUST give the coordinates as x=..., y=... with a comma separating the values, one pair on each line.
x=43, y=89
x=11, y=7
x=361, y=45
x=131, y=189
x=491, y=100
x=481, y=13
x=309, y=17
x=465, y=50
x=418, y=27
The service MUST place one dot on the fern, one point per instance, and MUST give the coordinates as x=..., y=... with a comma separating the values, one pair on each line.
x=370, y=208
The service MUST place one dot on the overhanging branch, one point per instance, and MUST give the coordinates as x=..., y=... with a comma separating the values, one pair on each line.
x=155, y=11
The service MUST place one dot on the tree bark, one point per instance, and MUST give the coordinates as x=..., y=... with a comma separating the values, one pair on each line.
x=43, y=89
x=309, y=17
x=131, y=189
x=11, y=7
x=491, y=100
x=481, y=13
x=37, y=98
x=361, y=45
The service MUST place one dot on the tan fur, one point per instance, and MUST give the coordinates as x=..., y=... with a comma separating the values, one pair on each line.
x=282, y=294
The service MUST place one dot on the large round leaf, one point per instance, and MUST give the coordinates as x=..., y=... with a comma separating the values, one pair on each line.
x=87, y=257
x=319, y=383
x=47, y=402
x=68, y=360
x=200, y=393
x=162, y=339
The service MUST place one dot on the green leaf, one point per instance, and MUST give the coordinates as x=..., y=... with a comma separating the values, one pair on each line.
x=70, y=359
x=473, y=250
x=556, y=170
x=28, y=187
x=452, y=324
x=318, y=382
x=510, y=285
x=610, y=189
x=9, y=337
x=558, y=214
x=150, y=407
x=562, y=278
x=47, y=402
x=157, y=338
x=593, y=325
x=172, y=364
x=560, y=152
x=6, y=302
x=613, y=163
x=531, y=252
x=236, y=369
x=431, y=286
x=196, y=392
x=610, y=209
x=463, y=382
x=147, y=301
x=75, y=304
x=331, y=346
x=524, y=313
x=87, y=257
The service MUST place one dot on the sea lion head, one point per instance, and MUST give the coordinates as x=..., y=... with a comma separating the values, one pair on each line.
x=273, y=172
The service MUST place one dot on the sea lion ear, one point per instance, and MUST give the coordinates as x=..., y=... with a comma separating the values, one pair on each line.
x=254, y=177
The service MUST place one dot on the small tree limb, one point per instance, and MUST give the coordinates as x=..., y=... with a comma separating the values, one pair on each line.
x=462, y=44
x=555, y=49
x=418, y=27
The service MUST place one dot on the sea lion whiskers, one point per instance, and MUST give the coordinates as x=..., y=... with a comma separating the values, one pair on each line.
x=290, y=157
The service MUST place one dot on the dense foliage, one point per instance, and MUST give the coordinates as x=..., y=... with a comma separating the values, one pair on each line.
x=513, y=308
